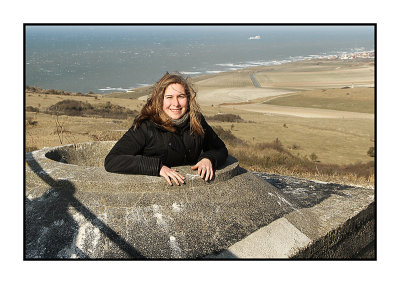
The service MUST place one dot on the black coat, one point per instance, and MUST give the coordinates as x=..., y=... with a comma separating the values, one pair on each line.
x=149, y=147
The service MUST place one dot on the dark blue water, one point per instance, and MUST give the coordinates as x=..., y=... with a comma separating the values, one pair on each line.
x=109, y=58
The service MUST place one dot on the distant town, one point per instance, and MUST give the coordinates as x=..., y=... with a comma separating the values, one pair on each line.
x=353, y=55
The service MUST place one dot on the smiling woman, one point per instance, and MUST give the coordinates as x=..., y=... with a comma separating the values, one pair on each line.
x=175, y=101
x=169, y=131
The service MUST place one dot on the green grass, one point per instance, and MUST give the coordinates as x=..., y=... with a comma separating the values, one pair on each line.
x=346, y=99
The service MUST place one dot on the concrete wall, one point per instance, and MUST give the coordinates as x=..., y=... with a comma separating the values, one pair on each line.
x=333, y=229
x=75, y=209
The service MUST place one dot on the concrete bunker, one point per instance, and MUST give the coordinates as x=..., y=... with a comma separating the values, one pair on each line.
x=87, y=154
x=74, y=208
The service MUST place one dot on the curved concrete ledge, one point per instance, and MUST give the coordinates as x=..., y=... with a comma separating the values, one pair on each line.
x=75, y=209
x=83, y=164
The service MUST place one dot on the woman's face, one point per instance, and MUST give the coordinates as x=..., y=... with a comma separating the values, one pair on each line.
x=175, y=102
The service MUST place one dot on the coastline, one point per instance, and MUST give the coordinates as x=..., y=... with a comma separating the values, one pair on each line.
x=324, y=123
x=223, y=68
x=236, y=89
x=253, y=83
x=256, y=65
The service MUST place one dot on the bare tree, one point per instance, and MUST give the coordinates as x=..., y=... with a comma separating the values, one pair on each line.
x=59, y=128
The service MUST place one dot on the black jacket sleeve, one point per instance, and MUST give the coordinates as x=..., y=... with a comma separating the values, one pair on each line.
x=214, y=148
x=125, y=156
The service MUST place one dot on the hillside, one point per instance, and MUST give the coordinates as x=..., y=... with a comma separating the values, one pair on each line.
x=323, y=133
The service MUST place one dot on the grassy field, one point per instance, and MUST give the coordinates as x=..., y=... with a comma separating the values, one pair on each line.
x=47, y=130
x=338, y=141
x=330, y=149
x=348, y=99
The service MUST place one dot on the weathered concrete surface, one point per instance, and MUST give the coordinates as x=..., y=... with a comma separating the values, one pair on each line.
x=83, y=211
x=341, y=225
x=83, y=165
x=280, y=239
x=75, y=209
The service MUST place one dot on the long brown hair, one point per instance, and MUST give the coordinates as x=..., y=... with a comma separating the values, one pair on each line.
x=153, y=109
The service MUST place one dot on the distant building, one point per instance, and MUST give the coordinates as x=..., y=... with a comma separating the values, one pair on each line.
x=363, y=54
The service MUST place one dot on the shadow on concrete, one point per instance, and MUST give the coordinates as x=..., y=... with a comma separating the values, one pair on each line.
x=222, y=255
x=301, y=192
x=50, y=231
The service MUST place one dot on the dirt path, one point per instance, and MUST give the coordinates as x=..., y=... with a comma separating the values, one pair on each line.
x=254, y=80
x=299, y=111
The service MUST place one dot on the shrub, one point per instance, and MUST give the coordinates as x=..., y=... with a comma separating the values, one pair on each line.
x=371, y=152
x=276, y=145
x=32, y=89
x=227, y=136
x=270, y=159
x=32, y=109
x=56, y=92
x=45, y=91
x=70, y=107
x=30, y=121
x=313, y=157
x=79, y=108
x=294, y=147
x=227, y=117
x=360, y=169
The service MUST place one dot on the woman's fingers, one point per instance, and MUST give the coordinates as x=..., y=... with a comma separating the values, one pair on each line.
x=204, y=169
x=200, y=172
x=174, y=179
x=179, y=179
x=178, y=176
x=169, y=174
x=168, y=180
x=207, y=174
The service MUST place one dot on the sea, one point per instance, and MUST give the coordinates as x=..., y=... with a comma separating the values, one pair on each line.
x=118, y=58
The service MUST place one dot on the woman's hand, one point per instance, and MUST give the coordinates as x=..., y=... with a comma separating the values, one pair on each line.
x=169, y=174
x=204, y=169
